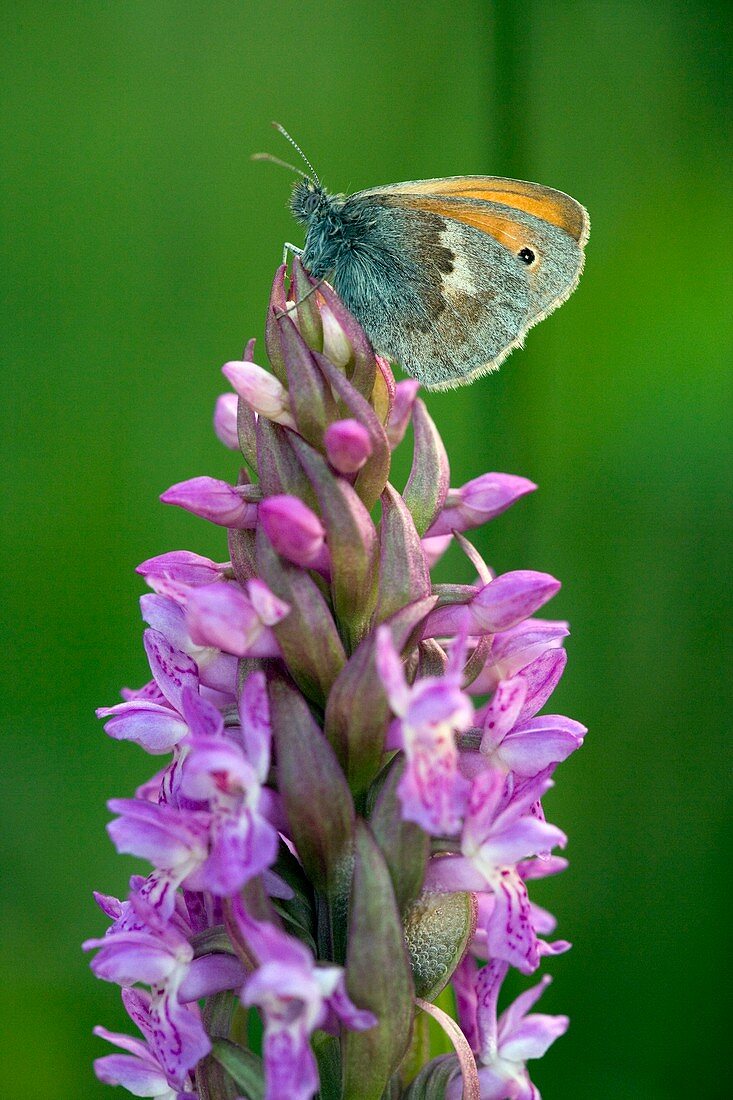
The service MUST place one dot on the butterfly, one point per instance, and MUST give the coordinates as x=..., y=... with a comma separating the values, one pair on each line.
x=446, y=276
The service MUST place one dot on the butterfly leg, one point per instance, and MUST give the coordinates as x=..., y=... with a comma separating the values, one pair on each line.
x=288, y=247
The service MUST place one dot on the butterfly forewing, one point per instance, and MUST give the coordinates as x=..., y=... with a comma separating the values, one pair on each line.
x=545, y=203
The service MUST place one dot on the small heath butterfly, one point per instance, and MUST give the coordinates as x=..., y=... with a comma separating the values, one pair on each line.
x=446, y=276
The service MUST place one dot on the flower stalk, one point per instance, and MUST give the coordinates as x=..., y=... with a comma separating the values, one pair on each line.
x=350, y=805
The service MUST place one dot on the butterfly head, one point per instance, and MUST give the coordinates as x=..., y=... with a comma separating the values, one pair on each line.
x=309, y=202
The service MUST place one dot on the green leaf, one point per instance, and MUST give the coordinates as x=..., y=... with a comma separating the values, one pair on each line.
x=315, y=795
x=212, y=941
x=427, y=485
x=309, y=317
x=244, y=1068
x=246, y=433
x=311, y=402
x=438, y=929
x=328, y=1055
x=433, y=1079
x=273, y=341
x=404, y=845
x=299, y=911
x=378, y=975
x=403, y=572
x=278, y=467
x=310, y=642
x=242, y=554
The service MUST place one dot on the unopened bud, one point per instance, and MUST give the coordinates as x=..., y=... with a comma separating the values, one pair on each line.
x=348, y=445
x=261, y=390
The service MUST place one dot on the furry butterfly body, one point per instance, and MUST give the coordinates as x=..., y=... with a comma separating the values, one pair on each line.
x=446, y=276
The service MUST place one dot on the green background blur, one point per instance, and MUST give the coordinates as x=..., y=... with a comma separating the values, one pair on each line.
x=140, y=242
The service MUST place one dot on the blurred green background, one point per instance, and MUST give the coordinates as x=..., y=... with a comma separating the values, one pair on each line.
x=139, y=246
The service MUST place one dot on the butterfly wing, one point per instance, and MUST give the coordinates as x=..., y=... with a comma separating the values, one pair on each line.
x=545, y=203
x=469, y=273
x=444, y=299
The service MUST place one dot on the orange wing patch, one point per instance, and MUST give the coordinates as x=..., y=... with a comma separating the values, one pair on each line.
x=512, y=234
x=551, y=206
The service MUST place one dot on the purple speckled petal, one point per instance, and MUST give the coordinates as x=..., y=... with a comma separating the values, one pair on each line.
x=523, y=838
x=502, y=712
x=541, y=742
x=125, y=1042
x=172, y=669
x=175, y=842
x=203, y=719
x=451, y=873
x=140, y=1077
x=180, y=1038
x=534, y=1036
x=254, y=714
x=155, y=728
x=129, y=957
x=494, y=1086
x=290, y=1065
x=166, y=616
x=510, y=935
x=243, y=845
x=542, y=676
x=268, y=943
x=488, y=984
x=512, y=650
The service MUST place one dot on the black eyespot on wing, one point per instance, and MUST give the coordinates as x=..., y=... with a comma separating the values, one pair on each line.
x=527, y=256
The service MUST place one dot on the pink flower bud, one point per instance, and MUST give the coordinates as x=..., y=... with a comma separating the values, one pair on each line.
x=261, y=390
x=212, y=499
x=225, y=420
x=181, y=567
x=294, y=530
x=223, y=616
x=478, y=501
x=348, y=445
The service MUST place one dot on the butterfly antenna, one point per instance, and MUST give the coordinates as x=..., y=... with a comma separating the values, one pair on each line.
x=282, y=163
x=286, y=135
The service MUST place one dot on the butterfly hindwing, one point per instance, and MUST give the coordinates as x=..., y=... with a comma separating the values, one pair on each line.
x=443, y=298
x=553, y=258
